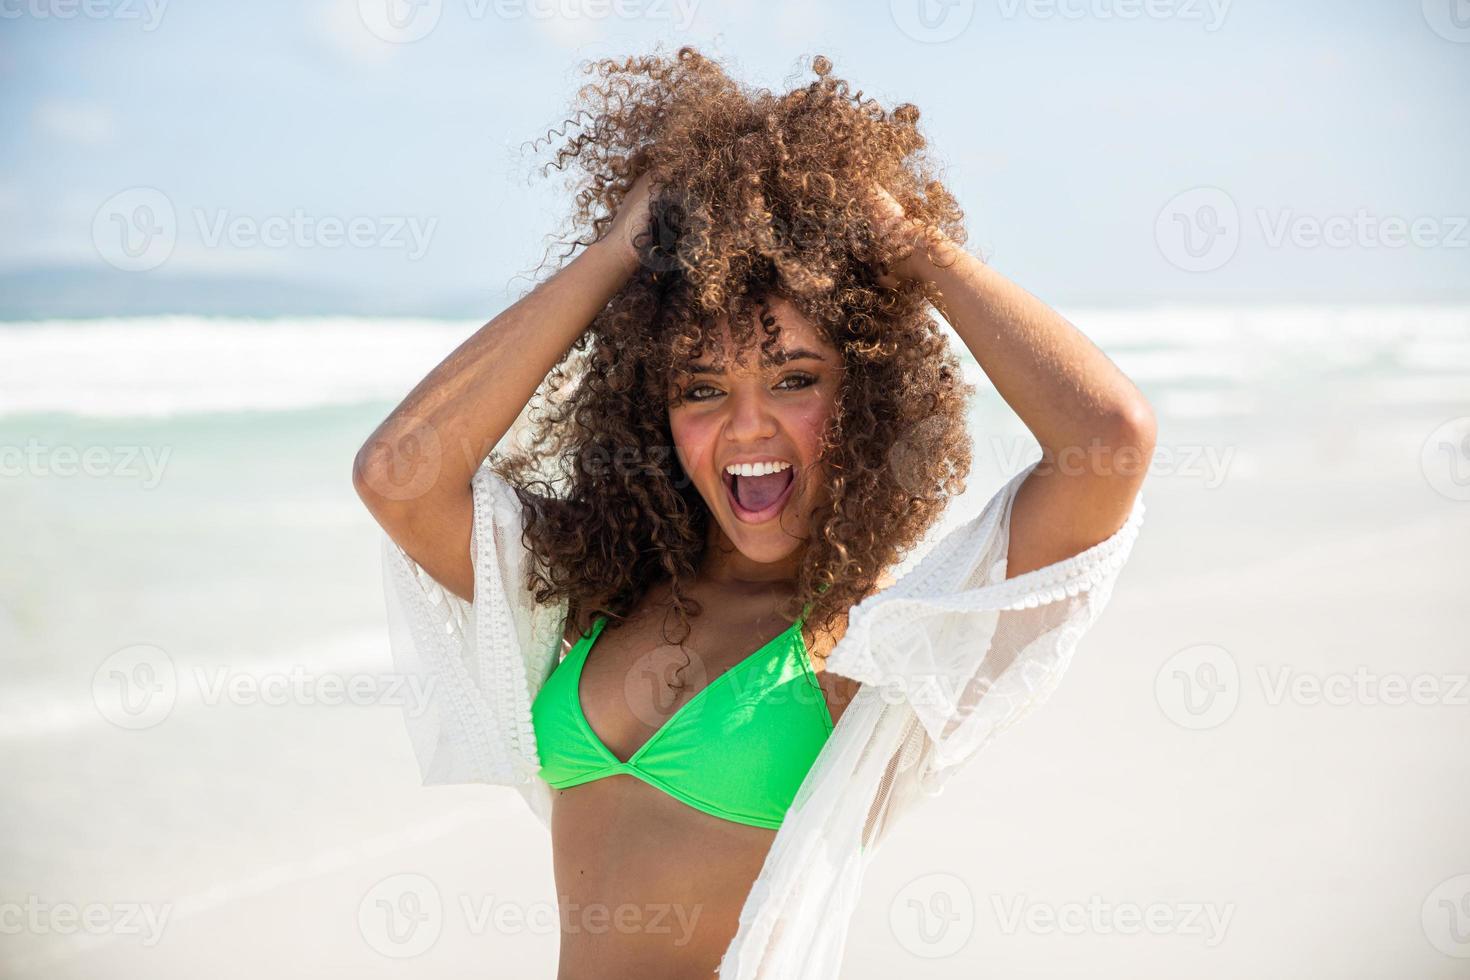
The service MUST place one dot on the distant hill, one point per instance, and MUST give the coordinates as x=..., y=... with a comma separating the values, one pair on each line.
x=74, y=292
x=84, y=292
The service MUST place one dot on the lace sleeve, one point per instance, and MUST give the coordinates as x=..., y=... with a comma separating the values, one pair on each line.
x=969, y=650
x=476, y=664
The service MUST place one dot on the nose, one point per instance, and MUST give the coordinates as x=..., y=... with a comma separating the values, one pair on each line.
x=751, y=420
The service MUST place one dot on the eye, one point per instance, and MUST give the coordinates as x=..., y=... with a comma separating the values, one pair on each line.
x=693, y=393
x=792, y=382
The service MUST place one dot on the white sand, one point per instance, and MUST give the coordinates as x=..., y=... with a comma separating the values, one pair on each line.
x=1290, y=839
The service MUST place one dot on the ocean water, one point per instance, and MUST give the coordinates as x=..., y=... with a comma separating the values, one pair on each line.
x=185, y=481
x=175, y=497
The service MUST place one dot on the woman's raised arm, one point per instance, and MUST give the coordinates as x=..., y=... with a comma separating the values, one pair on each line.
x=1095, y=429
x=414, y=472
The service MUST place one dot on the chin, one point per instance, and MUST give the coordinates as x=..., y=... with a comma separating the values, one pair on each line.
x=764, y=548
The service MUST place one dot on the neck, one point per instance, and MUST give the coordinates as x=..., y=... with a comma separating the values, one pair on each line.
x=726, y=566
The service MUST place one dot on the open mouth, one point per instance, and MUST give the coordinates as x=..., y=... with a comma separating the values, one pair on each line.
x=756, y=499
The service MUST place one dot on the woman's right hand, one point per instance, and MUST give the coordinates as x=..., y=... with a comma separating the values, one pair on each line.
x=415, y=473
x=630, y=221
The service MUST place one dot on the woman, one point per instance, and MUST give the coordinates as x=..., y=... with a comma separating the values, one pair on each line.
x=748, y=418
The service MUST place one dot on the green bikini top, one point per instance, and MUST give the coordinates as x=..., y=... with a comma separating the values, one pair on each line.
x=738, y=749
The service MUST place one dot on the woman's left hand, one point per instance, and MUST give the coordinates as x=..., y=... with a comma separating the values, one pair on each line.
x=892, y=224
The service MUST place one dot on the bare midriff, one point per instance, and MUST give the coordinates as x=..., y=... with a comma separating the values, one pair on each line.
x=648, y=887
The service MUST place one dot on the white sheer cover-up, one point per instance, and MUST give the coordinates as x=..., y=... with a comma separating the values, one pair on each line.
x=948, y=656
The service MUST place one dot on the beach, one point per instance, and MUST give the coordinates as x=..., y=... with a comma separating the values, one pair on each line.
x=1255, y=765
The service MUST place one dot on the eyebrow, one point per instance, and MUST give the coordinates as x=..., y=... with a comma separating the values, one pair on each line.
x=778, y=357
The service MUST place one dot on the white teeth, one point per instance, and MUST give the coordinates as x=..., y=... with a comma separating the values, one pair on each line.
x=756, y=469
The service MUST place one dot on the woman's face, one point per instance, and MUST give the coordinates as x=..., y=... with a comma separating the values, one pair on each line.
x=772, y=413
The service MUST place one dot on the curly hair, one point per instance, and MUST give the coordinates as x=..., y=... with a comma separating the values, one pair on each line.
x=755, y=195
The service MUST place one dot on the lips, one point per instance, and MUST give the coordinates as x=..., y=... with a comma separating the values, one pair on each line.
x=766, y=513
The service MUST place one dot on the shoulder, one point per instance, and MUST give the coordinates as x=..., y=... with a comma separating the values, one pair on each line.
x=571, y=633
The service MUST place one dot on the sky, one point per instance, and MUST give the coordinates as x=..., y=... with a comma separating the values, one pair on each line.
x=374, y=154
